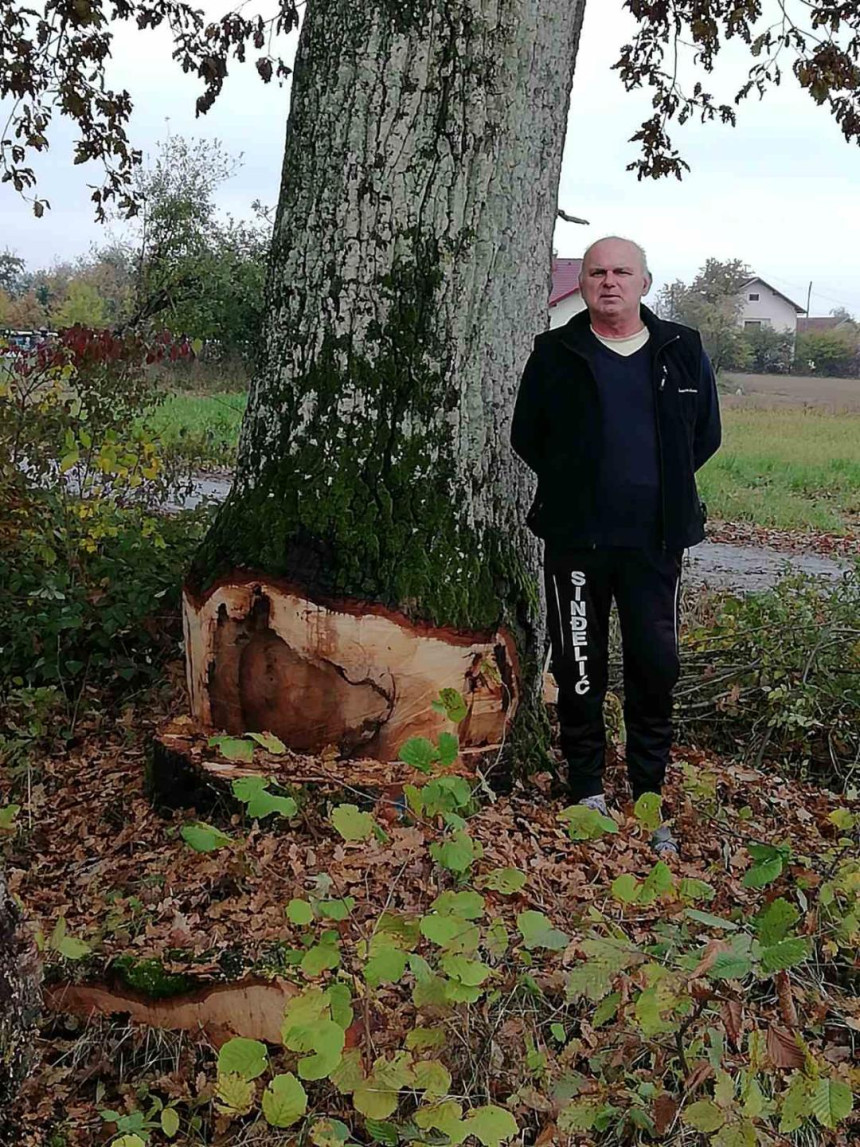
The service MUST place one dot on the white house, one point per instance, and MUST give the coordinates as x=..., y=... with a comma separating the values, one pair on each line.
x=765, y=306
x=566, y=299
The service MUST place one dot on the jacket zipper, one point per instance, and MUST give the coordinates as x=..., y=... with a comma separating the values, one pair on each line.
x=664, y=371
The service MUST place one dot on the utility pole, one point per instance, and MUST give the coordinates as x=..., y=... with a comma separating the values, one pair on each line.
x=808, y=299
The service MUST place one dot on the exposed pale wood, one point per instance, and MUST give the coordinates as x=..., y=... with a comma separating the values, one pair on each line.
x=253, y=1008
x=264, y=657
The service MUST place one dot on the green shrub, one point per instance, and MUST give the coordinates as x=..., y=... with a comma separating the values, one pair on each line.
x=89, y=569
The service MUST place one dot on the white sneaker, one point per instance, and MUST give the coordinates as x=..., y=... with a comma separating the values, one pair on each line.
x=597, y=803
x=664, y=843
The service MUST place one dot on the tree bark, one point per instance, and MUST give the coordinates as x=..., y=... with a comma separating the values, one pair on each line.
x=373, y=548
x=20, y=1003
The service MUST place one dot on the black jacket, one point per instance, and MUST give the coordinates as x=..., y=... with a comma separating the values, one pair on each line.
x=557, y=430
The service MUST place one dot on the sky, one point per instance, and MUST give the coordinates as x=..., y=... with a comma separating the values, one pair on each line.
x=779, y=191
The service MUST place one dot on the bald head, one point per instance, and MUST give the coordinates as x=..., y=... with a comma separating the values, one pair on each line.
x=633, y=249
x=614, y=280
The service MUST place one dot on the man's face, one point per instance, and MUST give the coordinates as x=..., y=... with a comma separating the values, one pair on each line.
x=613, y=281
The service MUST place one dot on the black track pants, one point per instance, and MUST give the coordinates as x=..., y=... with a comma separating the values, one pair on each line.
x=580, y=586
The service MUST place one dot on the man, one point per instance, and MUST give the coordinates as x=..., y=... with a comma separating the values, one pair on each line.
x=616, y=412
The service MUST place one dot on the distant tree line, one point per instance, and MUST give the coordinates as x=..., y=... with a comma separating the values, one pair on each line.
x=181, y=266
x=713, y=302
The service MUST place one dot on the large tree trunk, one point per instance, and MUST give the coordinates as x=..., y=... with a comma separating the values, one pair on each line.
x=373, y=549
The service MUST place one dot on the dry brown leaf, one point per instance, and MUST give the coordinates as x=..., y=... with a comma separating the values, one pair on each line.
x=665, y=1110
x=786, y=999
x=733, y=1016
x=782, y=1048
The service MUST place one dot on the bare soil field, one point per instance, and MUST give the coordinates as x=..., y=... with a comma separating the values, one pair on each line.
x=766, y=391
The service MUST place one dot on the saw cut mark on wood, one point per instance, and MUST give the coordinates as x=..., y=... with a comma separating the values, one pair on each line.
x=253, y=1009
x=263, y=657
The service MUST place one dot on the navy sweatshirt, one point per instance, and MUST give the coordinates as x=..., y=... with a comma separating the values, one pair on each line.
x=628, y=492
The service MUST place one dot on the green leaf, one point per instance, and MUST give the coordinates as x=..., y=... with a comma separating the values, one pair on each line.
x=558, y=1032
x=444, y=1117
x=327, y=1040
x=128, y=1141
x=606, y=1010
x=496, y=939
x=831, y=1101
x=253, y=792
x=452, y=704
x=472, y=973
x=203, y=837
x=586, y=823
x=233, y=1094
x=445, y=795
x=69, y=460
x=577, y=1117
x=785, y=954
x=420, y=753
x=776, y=921
x=491, y=1125
x=730, y=966
x=246, y=1058
x=843, y=819
x=375, y=1102
x=458, y=853
x=72, y=949
x=336, y=909
x=420, y=1038
x=690, y=890
x=795, y=1103
x=537, y=932
x=648, y=810
x=348, y=1075
x=386, y=967
x=507, y=881
x=704, y=1115
x=762, y=874
x=233, y=748
x=449, y=749
x=658, y=882
x=299, y=912
x=285, y=1101
x=711, y=921
x=7, y=817
x=432, y=1077
x=626, y=888
x=339, y=998
x=329, y=1133
x=269, y=742
x=320, y=958
x=467, y=905
x=381, y=1132
x=169, y=1121
x=351, y=823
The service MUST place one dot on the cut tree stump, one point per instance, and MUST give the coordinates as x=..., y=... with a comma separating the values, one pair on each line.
x=263, y=657
x=252, y=1008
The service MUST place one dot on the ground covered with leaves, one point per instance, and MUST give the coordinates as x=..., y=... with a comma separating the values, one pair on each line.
x=463, y=967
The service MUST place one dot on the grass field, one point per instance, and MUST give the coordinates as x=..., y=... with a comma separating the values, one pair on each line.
x=206, y=426
x=786, y=467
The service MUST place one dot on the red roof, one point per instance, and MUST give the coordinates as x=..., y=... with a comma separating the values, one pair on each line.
x=565, y=279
